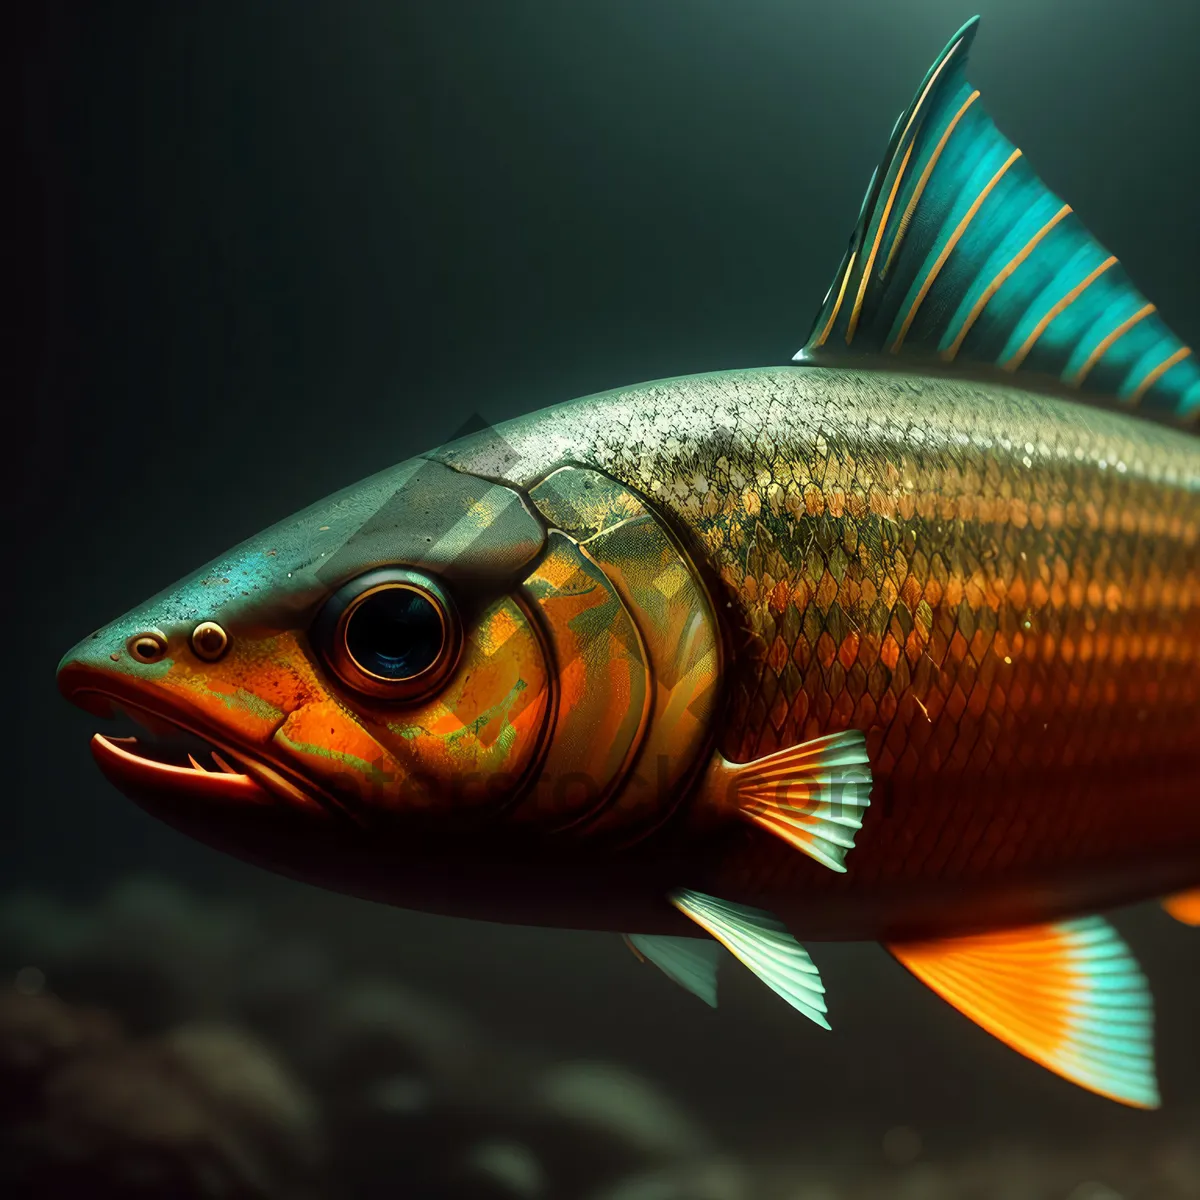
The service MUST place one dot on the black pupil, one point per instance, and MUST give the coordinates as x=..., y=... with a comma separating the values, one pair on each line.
x=394, y=634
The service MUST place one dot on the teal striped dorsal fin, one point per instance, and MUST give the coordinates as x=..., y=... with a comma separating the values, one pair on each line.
x=961, y=255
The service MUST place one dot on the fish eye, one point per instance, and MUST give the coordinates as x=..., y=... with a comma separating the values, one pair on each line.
x=391, y=633
x=394, y=633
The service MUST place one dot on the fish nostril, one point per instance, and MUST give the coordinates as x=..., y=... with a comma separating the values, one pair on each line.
x=209, y=641
x=148, y=647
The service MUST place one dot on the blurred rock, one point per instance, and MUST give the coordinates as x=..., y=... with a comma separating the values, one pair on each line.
x=35, y=927
x=196, y=1115
x=408, y=1082
x=148, y=950
x=253, y=1093
x=376, y=1031
x=158, y=1044
x=1094, y=1191
x=501, y=1169
x=407, y=1085
x=286, y=992
x=598, y=1122
x=37, y=1035
x=717, y=1180
x=620, y=1105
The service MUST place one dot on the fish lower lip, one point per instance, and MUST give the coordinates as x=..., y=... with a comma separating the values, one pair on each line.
x=143, y=777
x=201, y=757
x=174, y=763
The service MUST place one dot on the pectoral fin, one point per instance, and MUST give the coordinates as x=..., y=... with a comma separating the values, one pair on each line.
x=1069, y=995
x=690, y=962
x=812, y=795
x=761, y=942
x=1184, y=906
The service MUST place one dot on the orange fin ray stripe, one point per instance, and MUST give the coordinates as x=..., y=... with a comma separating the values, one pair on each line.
x=1068, y=995
x=812, y=795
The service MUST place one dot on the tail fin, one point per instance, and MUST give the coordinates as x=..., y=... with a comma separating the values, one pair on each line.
x=1184, y=906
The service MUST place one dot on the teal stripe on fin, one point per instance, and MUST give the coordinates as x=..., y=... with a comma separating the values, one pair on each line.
x=761, y=942
x=1190, y=407
x=689, y=962
x=962, y=255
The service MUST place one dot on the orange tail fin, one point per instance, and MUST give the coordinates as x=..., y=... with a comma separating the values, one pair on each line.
x=1068, y=995
x=1184, y=906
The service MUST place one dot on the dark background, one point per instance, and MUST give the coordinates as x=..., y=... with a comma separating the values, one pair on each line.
x=265, y=249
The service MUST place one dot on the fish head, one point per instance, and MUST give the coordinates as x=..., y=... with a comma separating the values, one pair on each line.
x=426, y=661
x=363, y=664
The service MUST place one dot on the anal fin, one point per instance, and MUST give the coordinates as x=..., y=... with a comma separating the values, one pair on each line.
x=1184, y=906
x=812, y=795
x=761, y=942
x=689, y=962
x=1069, y=995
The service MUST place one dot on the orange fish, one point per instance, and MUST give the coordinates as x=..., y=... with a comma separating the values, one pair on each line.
x=898, y=643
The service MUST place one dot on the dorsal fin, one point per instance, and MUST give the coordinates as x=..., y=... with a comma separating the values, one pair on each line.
x=963, y=256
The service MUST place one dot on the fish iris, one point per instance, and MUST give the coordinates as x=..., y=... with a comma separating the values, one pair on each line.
x=395, y=633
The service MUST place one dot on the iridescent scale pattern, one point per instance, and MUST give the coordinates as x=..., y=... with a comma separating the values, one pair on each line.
x=1000, y=588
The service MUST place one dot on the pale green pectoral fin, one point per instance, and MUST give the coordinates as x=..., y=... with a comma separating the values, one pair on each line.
x=812, y=795
x=690, y=962
x=761, y=942
x=1069, y=995
x=962, y=255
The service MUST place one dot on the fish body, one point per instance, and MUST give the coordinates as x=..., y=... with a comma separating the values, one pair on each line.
x=899, y=643
x=1001, y=589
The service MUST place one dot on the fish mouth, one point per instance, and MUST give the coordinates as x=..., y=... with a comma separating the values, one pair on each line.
x=171, y=764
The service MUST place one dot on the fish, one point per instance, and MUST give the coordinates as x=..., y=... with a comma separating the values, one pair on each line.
x=896, y=641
